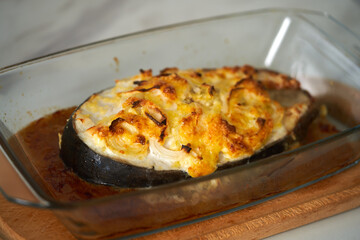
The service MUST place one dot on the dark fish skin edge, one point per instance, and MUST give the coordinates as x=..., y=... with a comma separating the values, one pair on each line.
x=95, y=168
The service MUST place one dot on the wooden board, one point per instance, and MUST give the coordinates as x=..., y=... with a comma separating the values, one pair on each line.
x=323, y=199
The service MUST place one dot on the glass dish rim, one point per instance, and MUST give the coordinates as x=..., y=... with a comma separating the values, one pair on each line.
x=94, y=44
x=49, y=203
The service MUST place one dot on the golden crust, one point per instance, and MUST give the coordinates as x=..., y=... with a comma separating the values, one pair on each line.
x=203, y=113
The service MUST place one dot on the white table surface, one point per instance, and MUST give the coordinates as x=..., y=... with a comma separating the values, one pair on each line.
x=30, y=29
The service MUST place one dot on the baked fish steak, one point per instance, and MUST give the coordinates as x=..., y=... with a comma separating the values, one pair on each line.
x=154, y=129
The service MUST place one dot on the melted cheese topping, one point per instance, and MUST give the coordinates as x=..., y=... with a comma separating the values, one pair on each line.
x=190, y=120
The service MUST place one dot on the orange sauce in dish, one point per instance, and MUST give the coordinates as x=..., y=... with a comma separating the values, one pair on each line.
x=40, y=142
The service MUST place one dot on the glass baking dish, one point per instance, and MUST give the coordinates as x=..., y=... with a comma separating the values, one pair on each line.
x=311, y=46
